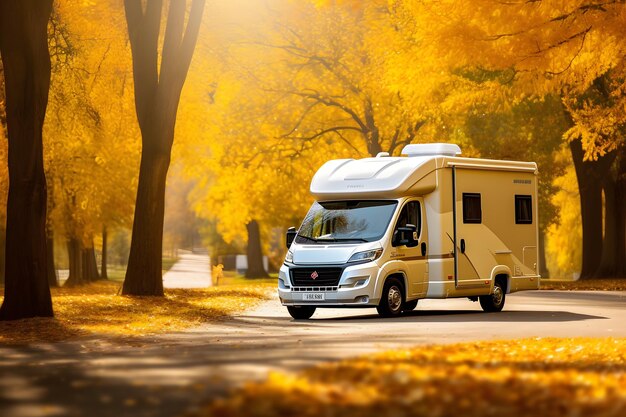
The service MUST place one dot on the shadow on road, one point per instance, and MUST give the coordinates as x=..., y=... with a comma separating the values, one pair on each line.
x=441, y=316
x=479, y=316
x=593, y=297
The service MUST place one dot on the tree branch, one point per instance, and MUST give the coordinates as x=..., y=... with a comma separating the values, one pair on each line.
x=191, y=35
x=328, y=130
x=582, y=44
x=173, y=37
x=301, y=119
x=332, y=103
x=143, y=32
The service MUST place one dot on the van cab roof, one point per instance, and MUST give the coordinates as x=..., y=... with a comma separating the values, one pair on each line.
x=395, y=177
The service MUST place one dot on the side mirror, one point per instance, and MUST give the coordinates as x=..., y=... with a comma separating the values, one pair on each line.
x=405, y=236
x=291, y=235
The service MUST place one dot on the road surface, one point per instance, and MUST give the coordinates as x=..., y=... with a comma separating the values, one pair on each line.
x=190, y=271
x=166, y=375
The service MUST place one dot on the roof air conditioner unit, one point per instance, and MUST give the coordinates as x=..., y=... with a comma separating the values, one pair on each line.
x=431, y=149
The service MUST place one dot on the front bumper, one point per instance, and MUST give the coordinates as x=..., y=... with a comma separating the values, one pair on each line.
x=345, y=294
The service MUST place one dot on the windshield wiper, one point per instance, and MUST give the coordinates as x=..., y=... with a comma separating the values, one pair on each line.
x=308, y=238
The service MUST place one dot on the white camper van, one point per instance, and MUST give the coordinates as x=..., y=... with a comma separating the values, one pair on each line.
x=388, y=231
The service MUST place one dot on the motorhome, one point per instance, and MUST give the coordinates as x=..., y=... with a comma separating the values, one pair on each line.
x=386, y=232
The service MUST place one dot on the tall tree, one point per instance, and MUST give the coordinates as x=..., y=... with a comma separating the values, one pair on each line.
x=90, y=137
x=4, y=181
x=26, y=62
x=613, y=262
x=157, y=94
x=254, y=252
x=105, y=257
x=573, y=49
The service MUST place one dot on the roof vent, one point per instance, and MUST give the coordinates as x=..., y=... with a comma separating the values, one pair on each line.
x=432, y=149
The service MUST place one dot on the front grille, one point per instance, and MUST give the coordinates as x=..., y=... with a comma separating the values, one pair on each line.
x=314, y=289
x=326, y=277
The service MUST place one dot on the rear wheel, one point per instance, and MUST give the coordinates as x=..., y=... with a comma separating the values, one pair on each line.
x=392, y=298
x=495, y=301
x=301, y=312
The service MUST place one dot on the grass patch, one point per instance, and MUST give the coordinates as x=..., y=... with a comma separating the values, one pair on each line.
x=98, y=309
x=544, y=377
x=168, y=263
x=234, y=278
x=584, y=285
x=118, y=272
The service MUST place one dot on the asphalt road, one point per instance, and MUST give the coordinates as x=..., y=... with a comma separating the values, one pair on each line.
x=167, y=375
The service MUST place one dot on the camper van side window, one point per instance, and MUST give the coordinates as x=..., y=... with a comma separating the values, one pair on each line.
x=472, y=212
x=411, y=214
x=523, y=209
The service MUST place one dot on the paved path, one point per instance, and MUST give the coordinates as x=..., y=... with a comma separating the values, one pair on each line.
x=166, y=375
x=191, y=271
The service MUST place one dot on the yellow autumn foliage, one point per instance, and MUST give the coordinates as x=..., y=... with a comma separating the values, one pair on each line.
x=538, y=377
x=278, y=87
x=564, y=238
x=91, y=140
x=98, y=309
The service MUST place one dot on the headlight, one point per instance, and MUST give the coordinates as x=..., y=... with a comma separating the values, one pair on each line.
x=289, y=257
x=368, y=255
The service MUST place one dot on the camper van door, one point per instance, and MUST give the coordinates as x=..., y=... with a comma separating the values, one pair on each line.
x=475, y=191
x=414, y=254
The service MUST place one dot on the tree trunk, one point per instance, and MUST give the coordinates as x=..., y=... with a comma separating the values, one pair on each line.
x=620, y=211
x=90, y=267
x=254, y=252
x=3, y=237
x=590, y=175
x=144, y=272
x=74, y=252
x=157, y=94
x=26, y=63
x=613, y=261
x=53, y=279
x=103, y=266
x=543, y=267
x=3, y=115
x=372, y=134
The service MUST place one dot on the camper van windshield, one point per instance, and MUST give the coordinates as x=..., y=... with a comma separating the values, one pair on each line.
x=346, y=221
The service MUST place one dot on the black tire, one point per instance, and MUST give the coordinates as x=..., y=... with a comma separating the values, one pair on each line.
x=409, y=305
x=301, y=312
x=493, y=302
x=392, y=299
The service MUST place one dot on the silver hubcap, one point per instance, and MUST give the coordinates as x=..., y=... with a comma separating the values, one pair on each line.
x=394, y=298
x=498, y=294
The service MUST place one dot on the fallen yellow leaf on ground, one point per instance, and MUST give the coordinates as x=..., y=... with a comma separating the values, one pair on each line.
x=530, y=377
x=96, y=308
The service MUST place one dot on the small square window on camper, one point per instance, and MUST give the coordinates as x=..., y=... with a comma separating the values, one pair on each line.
x=523, y=209
x=472, y=213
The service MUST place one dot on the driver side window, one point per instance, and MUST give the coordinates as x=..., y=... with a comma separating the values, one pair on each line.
x=410, y=214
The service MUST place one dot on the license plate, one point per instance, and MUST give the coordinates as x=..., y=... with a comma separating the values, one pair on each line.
x=314, y=296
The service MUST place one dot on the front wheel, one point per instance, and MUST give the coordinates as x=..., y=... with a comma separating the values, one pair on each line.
x=391, y=300
x=494, y=302
x=301, y=312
